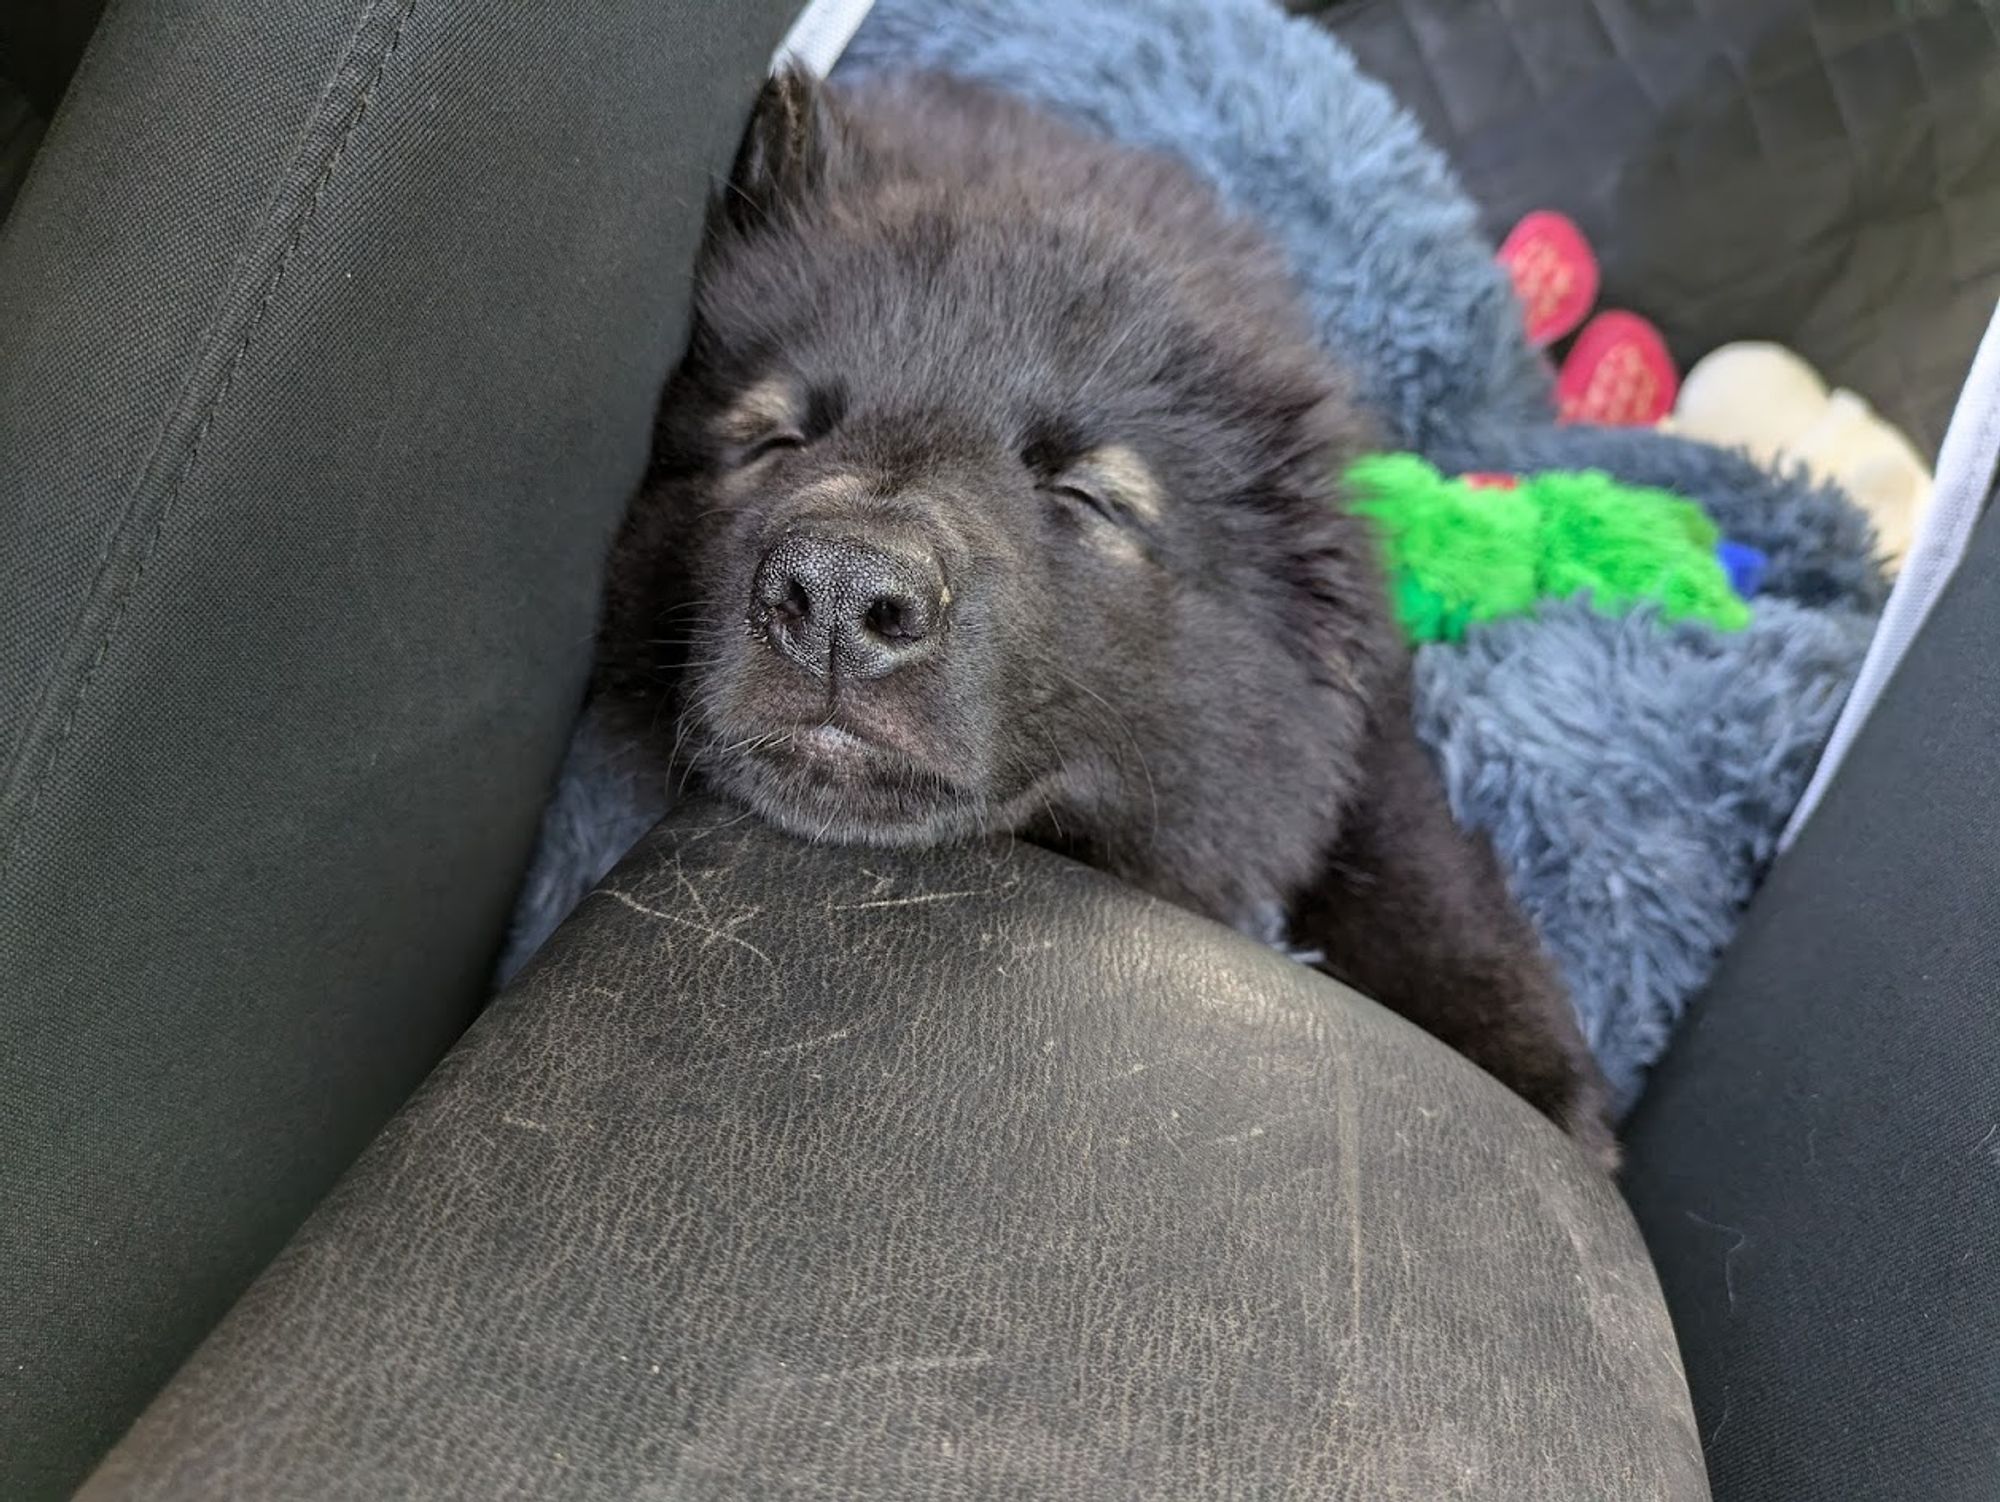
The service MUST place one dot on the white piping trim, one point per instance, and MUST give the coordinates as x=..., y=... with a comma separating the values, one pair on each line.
x=1965, y=473
x=820, y=34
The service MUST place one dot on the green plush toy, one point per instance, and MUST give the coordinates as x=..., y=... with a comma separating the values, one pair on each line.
x=1465, y=551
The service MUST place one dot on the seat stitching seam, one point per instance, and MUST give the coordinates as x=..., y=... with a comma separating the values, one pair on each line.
x=51, y=759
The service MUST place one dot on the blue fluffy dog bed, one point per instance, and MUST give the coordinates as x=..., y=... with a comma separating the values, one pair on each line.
x=1634, y=776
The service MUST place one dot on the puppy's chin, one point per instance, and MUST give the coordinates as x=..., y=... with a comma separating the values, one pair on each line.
x=826, y=784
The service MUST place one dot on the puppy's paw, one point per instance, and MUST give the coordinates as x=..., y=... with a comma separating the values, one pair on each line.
x=1587, y=1119
x=1547, y=1063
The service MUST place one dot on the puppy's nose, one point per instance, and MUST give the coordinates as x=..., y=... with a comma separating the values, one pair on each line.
x=824, y=599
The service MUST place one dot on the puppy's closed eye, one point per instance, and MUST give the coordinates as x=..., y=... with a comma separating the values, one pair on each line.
x=767, y=417
x=1113, y=482
x=1077, y=494
x=776, y=414
x=771, y=443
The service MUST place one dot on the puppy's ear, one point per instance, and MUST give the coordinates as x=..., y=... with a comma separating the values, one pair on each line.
x=786, y=155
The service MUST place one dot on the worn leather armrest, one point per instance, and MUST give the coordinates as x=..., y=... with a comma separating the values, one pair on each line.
x=791, y=1171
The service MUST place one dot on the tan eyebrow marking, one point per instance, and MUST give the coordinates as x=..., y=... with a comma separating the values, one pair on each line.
x=1119, y=544
x=1125, y=474
x=769, y=405
x=833, y=490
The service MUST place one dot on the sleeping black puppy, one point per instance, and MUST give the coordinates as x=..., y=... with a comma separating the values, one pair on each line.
x=993, y=496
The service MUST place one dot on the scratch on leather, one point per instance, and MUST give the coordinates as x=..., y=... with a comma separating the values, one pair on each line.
x=909, y=1367
x=708, y=930
x=921, y=899
x=804, y=1045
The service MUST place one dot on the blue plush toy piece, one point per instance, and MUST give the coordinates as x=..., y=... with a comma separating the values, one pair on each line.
x=1633, y=777
x=1746, y=567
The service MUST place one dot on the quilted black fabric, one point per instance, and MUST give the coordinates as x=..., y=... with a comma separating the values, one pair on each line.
x=1825, y=173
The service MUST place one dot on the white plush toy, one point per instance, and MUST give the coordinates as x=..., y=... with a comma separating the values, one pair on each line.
x=1764, y=398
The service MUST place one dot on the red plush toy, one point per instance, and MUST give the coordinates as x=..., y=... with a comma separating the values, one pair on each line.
x=1618, y=371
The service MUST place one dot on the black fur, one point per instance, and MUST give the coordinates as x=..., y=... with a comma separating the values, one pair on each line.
x=1057, y=376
